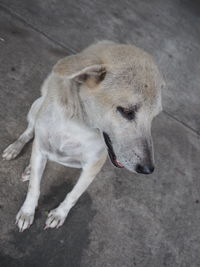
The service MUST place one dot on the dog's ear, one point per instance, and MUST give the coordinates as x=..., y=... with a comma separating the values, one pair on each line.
x=91, y=76
x=81, y=69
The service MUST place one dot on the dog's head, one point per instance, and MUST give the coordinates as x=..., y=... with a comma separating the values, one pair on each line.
x=120, y=89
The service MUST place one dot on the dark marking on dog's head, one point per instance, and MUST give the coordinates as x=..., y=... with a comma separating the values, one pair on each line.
x=91, y=79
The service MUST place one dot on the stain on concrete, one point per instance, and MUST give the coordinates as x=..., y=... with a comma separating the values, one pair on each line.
x=7, y=261
x=11, y=29
x=192, y=6
x=56, y=194
x=52, y=247
x=58, y=52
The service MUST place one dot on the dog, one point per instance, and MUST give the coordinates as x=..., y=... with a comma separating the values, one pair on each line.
x=98, y=102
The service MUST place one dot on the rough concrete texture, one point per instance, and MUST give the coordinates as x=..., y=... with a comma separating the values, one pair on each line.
x=123, y=219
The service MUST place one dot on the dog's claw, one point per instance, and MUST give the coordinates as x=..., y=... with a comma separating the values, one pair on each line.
x=24, y=220
x=26, y=174
x=55, y=219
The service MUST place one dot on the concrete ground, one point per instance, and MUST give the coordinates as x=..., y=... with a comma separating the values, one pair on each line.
x=123, y=219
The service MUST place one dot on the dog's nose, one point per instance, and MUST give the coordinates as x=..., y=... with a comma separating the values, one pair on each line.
x=145, y=169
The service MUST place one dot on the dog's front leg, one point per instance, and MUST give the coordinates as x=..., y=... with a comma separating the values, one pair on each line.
x=25, y=216
x=57, y=216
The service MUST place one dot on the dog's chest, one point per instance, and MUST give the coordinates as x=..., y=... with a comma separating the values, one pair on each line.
x=64, y=144
x=70, y=143
x=64, y=148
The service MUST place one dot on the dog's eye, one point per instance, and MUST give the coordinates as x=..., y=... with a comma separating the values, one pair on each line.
x=127, y=113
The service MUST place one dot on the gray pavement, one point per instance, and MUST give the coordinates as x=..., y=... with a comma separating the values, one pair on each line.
x=123, y=219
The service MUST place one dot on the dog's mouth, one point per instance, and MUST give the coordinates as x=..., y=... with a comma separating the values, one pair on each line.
x=111, y=152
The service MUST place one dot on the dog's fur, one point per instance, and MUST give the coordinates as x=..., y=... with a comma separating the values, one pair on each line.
x=106, y=95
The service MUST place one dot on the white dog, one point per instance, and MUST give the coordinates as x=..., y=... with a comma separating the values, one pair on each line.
x=102, y=99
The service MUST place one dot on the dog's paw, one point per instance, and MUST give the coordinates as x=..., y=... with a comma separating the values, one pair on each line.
x=24, y=220
x=55, y=219
x=11, y=151
x=26, y=174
